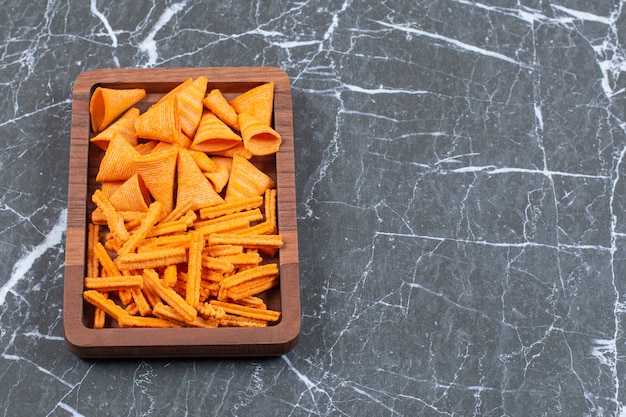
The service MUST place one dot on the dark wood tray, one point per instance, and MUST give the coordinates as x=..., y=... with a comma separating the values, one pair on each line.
x=113, y=342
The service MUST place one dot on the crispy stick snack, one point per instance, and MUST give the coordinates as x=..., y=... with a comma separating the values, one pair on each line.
x=115, y=283
x=184, y=219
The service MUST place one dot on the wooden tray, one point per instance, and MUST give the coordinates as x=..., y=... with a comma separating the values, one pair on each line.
x=84, y=159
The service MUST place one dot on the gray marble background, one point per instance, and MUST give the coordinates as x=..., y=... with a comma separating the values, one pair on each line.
x=461, y=205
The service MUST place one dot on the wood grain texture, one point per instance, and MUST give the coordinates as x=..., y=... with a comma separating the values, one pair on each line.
x=84, y=160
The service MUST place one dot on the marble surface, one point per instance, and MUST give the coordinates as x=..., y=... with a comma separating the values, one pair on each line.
x=461, y=205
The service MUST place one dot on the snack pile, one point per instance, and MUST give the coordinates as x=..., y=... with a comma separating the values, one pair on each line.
x=184, y=227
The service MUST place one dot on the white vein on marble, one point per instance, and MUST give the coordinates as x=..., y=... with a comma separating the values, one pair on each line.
x=52, y=239
x=148, y=45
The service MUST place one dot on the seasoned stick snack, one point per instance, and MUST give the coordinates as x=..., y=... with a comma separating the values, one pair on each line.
x=184, y=218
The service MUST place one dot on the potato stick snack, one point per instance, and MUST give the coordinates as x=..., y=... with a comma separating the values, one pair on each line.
x=97, y=216
x=124, y=295
x=265, y=228
x=231, y=207
x=250, y=274
x=170, y=275
x=132, y=308
x=93, y=263
x=243, y=259
x=270, y=208
x=250, y=215
x=223, y=227
x=99, y=315
x=152, y=243
x=250, y=288
x=212, y=276
x=113, y=219
x=151, y=297
x=247, y=241
x=245, y=311
x=114, y=283
x=207, y=310
x=167, y=294
x=99, y=318
x=151, y=259
x=105, y=260
x=231, y=320
x=97, y=299
x=223, y=250
x=140, y=300
x=217, y=264
x=178, y=212
x=155, y=211
x=168, y=313
x=137, y=321
x=252, y=302
x=194, y=269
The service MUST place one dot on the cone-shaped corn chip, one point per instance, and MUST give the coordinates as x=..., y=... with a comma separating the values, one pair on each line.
x=246, y=180
x=107, y=104
x=110, y=187
x=193, y=185
x=190, y=105
x=160, y=122
x=204, y=162
x=146, y=147
x=214, y=135
x=238, y=150
x=164, y=147
x=118, y=163
x=132, y=195
x=125, y=126
x=175, y=90
x=219, y=177
x=258, y=138
x=258, y=101
x=218, y=104
x=158, y=172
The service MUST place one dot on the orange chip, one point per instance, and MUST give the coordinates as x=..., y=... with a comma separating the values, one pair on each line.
x=231, y=207
x=204, y=162
x=154, y=213
x=145, y=148
x=113, y=218
x=258, y=138
x=118, y=163
x=150, y=322
x=158, y=172
x=160, y=122
x=132, y=195
x=246, y=180
x=190, y=105
x=107, y=104
x=175, y=90
x=194, y=269
x=125, y=126
x=110, y=187
x=258, y=101
x=238, y=150
x=193, y=185
x=214, y=135
x=219, y=177
x=167, y=294
x=216, y=102
x=99, y=300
